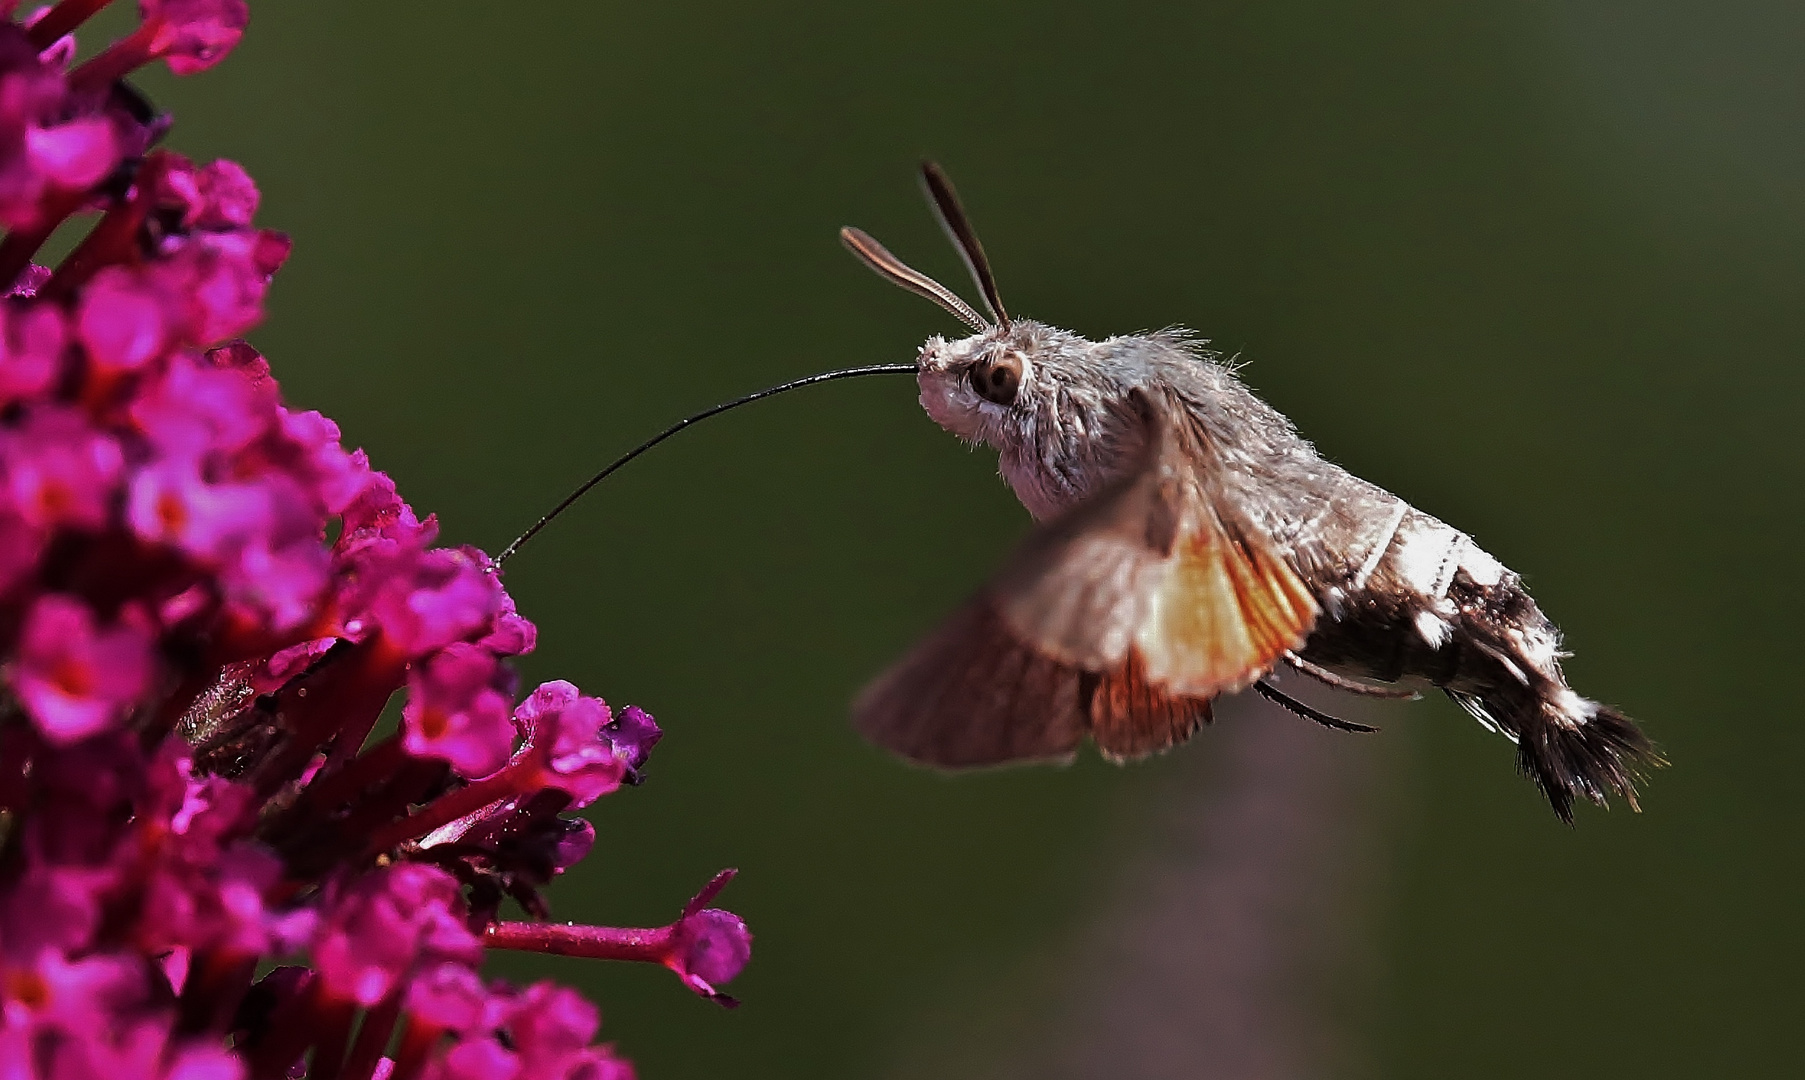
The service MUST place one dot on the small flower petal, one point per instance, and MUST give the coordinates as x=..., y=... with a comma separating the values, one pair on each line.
x=455, y=713
x=74, y=676
x=59, y=469
x=566, y=744
x=122, y=321
x=196, y=34
x=73, y=155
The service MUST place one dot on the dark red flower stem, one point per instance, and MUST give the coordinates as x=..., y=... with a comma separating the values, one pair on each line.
x=372, y=1039
x=415, y=1048
x=217, y=981
x=592, y=942
x=335, y=1037
x=236, y=637
x=453, y=805
x=409, y=786
x=601, y=942
x=17, y=744
x=114, y=240
x=62, y=19
x=330, y=790
x=514, y=814
x=369, y=794
x=121, y=58
x=288, y=1034
x=340, y=693
x=350, y=740
x=22, y=243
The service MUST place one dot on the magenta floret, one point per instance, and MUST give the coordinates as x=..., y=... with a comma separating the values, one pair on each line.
x=60, y=468
x=122, y=322
x=711, y=949
x=75, y=676
x=567, y=747
x=434, y=598
x=31, y=349
x=378, y=928
x=457, y=712
x=48, y=149
x=193, y=35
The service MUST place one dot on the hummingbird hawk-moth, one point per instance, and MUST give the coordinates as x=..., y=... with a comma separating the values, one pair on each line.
x=1190, y=541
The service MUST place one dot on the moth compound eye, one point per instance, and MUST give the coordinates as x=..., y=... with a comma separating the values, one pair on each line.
x=997, y=380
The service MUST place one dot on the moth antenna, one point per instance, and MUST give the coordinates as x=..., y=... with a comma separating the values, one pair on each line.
x=897, y=272
x=726, y=406
x=958, y=229
x=1279, y=697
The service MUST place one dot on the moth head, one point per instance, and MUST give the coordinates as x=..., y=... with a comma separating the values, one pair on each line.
x=986, y=387
x=973, y=386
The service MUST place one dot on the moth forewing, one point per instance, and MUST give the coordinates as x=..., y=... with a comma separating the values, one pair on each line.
x=1130, y=716
x=1225, y=615
x=1084, y=601
x=1081, y=586
x=1140, y=590
x=973, y=694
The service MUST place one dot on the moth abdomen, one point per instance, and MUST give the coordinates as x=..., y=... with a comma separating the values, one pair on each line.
x=1508, y=670
x=1477, y=635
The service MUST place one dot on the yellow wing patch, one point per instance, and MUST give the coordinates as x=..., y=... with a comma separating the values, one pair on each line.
x=1225, y=612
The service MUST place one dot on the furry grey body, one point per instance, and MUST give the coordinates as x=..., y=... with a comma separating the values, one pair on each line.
x=1404, y=597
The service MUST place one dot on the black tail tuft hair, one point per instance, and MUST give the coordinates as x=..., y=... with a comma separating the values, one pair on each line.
x=1596, y=754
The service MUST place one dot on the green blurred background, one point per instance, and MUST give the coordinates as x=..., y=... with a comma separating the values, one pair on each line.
x=1538, y=267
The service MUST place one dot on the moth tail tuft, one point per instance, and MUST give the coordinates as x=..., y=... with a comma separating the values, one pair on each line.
x=1572, y=747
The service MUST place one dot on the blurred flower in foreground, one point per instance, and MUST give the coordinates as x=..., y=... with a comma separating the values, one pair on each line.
x=191, y=672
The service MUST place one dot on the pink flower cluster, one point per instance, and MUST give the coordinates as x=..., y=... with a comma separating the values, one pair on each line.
x=205, y=604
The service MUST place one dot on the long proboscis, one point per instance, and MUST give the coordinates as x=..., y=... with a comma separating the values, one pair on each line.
x=726, y=406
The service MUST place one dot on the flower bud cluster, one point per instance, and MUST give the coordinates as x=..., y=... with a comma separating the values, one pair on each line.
x=206, y=603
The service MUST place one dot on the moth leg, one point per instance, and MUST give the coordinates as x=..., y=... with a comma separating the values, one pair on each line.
x=1342, y=682
x=1279, y=697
